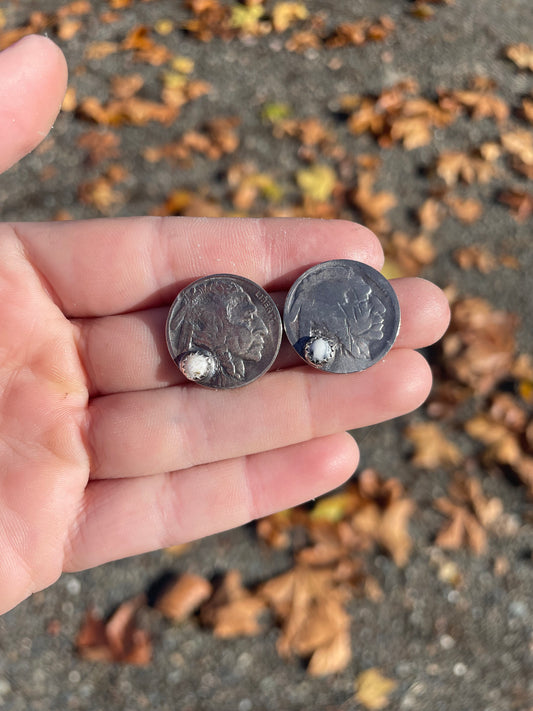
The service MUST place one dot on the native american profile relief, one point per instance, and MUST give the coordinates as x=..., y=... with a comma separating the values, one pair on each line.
x=224, y=331
x=336, y=316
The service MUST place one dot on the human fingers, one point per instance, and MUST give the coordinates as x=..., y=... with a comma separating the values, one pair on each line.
x=33, y=78
x=102, y=267
x=142, y=433
x=129, y=352
x=124, y=517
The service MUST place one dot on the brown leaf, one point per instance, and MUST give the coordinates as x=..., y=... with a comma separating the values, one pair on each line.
x=520, y=202
x=124, y=87
x=432, y=449
x=117, y=640
x=471, y=513
x=475, y=257
x=453, y=166
x=331, y=658
x=101, y=145
x=480, y=344
x=373, y=205
x=77, y=7
x=68, y=28
x=146, y=50
x=463, y=529
x=410, y=254
x=467, y=210
x=312, y=616
x=134, y=110
x=521, y=54
x=392, y=532
x=482, y=104
x=184, y=596
x=430, y=215
x=302, y=41
x=233, y=611
x=100, y=50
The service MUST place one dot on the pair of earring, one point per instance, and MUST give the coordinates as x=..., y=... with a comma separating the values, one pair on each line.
x=224, y=331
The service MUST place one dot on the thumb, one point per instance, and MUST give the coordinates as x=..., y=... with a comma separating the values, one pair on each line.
x=33, y=78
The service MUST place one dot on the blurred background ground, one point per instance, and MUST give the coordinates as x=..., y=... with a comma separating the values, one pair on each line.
x=452, y=627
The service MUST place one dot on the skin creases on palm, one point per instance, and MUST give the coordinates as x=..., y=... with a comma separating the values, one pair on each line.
x=44, y=465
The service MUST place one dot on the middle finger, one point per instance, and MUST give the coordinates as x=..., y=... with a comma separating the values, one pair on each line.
x=129, y=352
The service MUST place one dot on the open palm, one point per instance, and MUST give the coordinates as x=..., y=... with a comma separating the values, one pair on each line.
x=105, y=451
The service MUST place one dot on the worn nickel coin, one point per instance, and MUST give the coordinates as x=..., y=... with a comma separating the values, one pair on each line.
x=223, y=331
x=341, y=316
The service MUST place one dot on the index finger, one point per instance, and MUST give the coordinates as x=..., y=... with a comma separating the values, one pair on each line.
x=112, y=266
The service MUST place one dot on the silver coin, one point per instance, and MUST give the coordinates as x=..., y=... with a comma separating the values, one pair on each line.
x=341, y=316
x=223, y=331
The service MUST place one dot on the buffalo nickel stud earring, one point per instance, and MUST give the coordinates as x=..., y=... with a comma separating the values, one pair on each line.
x=341, y=316
x=223, y=331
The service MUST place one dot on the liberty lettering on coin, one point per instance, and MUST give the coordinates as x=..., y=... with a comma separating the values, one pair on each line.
x=341, y=316
x=223, y=331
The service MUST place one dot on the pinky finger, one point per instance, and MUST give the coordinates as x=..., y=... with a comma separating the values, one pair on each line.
x=124, y=517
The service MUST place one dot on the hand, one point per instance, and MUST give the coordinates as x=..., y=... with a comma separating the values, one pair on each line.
x=105, y=452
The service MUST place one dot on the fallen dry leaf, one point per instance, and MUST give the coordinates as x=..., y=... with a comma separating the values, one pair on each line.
x=184, y=596
x=520, y=202
x=475, y=257
x=233, y=611
x=480, y=101
x=521, y=54
x=100, y=145
x=317, y=182
x=468, y=210
x=470, y=513
x=453, y=166
x=430, y=215
x=285, y=14
x=479, y=346
x=373, y=205
x=118, y=639
x=372, y=689
x=311, y=613
x=409, y=254
x=432, y=449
